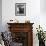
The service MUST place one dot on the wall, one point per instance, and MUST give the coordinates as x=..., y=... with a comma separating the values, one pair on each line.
x=33, y=13
x=43, y=6
x=0, y=15
x=43, y=14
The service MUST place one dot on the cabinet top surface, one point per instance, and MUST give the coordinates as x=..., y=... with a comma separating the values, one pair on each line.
x=19, y=23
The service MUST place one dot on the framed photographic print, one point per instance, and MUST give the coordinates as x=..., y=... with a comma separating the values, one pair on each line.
x=20, y=9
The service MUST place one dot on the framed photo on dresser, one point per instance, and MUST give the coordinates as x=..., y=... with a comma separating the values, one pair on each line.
x=20, y=9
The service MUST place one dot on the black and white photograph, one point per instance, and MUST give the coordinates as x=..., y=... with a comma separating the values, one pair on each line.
x=20, y=9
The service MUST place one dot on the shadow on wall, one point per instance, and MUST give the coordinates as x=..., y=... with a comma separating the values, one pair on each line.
x=43, y=6
x=0, y=15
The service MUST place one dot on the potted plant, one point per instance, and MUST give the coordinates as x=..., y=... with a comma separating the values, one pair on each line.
x=41, y=36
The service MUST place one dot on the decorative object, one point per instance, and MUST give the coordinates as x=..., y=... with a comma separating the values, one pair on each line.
x=27, y=21
x=41, y=36
x=7, y=38
x=13, y=21
x=20, y=9
x=1, y=40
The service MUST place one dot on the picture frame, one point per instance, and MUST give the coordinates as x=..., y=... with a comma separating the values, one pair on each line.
x=20, y=9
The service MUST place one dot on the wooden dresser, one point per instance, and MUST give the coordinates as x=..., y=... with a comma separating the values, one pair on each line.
x=22, y=33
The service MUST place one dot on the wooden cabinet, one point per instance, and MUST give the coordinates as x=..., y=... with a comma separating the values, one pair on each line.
x=22, y=33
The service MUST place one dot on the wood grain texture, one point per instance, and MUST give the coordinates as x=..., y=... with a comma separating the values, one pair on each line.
x=23, y=27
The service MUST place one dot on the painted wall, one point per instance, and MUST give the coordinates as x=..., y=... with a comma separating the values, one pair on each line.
x=33, y=13
x=43, y=14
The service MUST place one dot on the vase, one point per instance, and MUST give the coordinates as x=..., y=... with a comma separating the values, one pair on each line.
x=41, y=43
